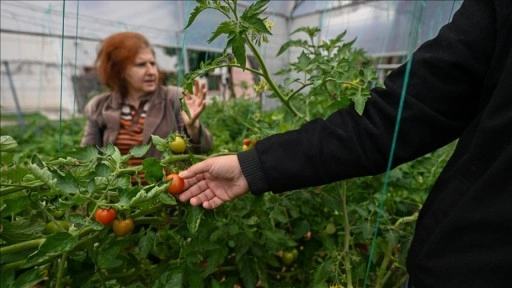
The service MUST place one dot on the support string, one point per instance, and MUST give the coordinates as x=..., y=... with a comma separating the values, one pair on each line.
x=419, y=8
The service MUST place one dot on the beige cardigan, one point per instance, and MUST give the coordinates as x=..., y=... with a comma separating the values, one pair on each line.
x=163, y=117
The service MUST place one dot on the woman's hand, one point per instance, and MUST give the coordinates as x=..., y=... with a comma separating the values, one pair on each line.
x=213, y=181
x=196, y=104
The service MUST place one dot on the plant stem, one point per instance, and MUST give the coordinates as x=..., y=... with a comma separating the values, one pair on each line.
x=62, y=264
x=21, y=246
x=270, y=82
x=346, y=228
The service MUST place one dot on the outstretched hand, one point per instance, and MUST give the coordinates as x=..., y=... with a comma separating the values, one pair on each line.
x=196, y=104
x=214, y=181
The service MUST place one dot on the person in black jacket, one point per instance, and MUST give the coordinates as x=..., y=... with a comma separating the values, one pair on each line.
x=460, y=87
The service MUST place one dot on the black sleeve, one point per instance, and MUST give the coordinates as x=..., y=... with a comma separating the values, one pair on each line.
x=441, y=100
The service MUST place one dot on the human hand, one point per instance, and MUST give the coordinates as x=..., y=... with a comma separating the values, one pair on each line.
x=196, y=104
x=213, y=181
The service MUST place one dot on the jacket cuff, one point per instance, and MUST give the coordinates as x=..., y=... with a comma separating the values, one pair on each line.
x=253, y=171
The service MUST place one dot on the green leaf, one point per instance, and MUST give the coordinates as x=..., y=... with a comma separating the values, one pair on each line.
x=14, y=206
x=310, y=31
x=108, y=252
x=215, y=260
x=28, y=279
x=193, y=218
x=42, y=174
x=167, y=199
x=197, y=10
x=254, y=10
x=257, y=25
x=225, y=27
x=146, y=243
x=153, y=171
x=102, y=170
x=173, y=278
x=7, y=278
x=303, y=62
x=144, y=195
x=237, y=44
x=292, y=43
x=139, y=151
x=85, y=154
x=126, y=196
x=52, y=247
x=67, y=184
x=160, y=144
x=248, y=271
x=360, y=102
x=20, y=230
x=7, y=143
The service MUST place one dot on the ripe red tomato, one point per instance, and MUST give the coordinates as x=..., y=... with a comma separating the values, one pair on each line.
x=176, y=187
x=247, y=142
x=122, y=227
x=105, y=216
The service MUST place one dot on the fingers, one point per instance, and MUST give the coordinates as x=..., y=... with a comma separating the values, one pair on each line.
x=200, y=90
x=196, y=169
x=201, y=194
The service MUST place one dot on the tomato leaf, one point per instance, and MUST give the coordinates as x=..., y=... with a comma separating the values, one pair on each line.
x=85, y=154
x=152, y=170
x=160, y=143
x=42, y=174
x=167, y=199
x=139, y=151
x=52, y=247
x=108, y=252
x=193, y=217
x=28, y=279
x=173, y=278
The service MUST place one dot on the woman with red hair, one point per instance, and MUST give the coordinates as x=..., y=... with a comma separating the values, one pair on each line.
x=138, y=105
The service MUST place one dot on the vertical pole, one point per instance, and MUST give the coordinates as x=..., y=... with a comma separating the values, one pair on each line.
x=21, y=120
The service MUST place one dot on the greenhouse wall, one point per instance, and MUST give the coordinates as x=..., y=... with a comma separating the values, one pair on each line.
x=38, y=36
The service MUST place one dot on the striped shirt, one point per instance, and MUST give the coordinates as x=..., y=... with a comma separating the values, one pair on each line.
x=131, y=127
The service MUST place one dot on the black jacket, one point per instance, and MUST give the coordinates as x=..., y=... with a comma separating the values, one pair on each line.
x=460, y=87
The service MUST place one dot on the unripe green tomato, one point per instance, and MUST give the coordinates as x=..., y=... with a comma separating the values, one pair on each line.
x=178, y=145
x=330, y=228
x=288, y=257
x=52, y=228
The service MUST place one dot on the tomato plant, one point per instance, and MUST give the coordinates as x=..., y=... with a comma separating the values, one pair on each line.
x=105, y=216
x=178, y=145
x=122, y=227
x=176, y=186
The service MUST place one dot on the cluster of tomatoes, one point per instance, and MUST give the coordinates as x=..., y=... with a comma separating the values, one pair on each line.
x=107, y=216
x=122, y=227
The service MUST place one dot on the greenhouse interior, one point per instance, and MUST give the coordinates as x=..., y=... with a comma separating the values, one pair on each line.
x=92, y=193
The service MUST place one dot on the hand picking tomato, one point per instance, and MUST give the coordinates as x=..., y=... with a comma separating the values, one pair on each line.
x=178, y=145
x=176, y=187
x=122, y=227
x=105, y=216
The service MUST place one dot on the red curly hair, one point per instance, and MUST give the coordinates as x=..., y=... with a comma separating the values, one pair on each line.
x=116, y=53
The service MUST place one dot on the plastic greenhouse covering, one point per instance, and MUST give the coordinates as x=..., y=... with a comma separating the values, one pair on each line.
x=46, y=44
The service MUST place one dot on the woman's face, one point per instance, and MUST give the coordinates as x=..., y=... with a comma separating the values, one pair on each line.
x=142, y=75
